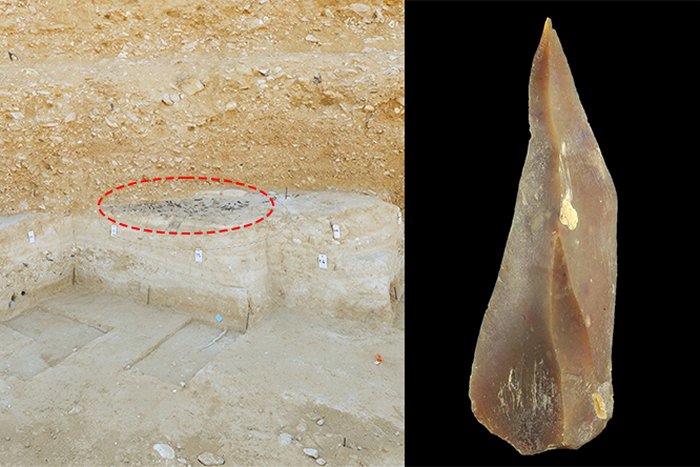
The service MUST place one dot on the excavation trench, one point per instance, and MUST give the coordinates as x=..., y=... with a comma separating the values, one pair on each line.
x=206, y=343
x=329, y=253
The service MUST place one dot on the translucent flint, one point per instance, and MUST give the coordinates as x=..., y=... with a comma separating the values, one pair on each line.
x=541, y=377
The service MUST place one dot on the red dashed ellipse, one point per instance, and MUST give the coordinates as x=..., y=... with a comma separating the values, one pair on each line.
x=186, y=177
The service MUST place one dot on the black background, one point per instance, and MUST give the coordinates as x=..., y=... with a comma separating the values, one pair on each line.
x=468, y=67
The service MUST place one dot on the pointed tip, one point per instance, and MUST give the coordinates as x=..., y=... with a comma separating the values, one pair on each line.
x=551, y=83
x=547, y=32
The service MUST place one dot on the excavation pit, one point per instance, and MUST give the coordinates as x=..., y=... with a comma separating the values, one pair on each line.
x=226, y=342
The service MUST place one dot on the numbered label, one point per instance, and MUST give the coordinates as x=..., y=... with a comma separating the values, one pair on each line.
x=323, y=261
x=198, y=255
x=336, y=231
x=114, y=230
x=31, y=236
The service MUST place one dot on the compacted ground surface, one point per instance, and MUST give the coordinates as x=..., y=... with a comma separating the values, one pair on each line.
x=89, y=378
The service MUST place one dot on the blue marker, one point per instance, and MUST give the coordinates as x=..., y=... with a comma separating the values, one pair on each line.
x=219, y=318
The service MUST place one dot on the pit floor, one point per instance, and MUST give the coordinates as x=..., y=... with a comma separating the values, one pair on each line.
x=89, y=378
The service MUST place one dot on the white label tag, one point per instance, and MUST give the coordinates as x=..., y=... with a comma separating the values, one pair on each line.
x=32, y=238
x=198, y=255
x=114, y=230
x=336, y=231
x=323, y=261
x=400, y=219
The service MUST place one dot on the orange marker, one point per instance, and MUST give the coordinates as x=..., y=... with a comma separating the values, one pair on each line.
x=378, y=359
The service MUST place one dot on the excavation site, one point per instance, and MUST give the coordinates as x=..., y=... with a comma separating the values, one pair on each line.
x=202, y=230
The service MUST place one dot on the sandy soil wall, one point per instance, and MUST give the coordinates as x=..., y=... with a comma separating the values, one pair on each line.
x=298, y=94
x=241, y=275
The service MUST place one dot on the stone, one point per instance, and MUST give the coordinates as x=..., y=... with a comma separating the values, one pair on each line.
x=312, y=38
x=541, y=376
x=285, y=439
x=209, y=458
x=320, y=422
x=311, y=452
x=321, y=461
x=360, y=8
x=165, y=451
x=190, y=86
x=378, y=16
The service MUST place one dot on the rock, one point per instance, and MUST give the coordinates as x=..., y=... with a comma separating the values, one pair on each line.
x=312, y=38
x=209, y=458
x=182, y=460
x=75, y=409
x=320, y=422
x=111, y=123
x=231, y=106
x=372, y=40
x=170, y=99
x=69, y=118
x=321, y=461
x=17, y=115
x=190, y=86
x=378, y=16
x=311, y=452
x=541, y=376
x=165, y=451
x=360, y=8
x=285, y=439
